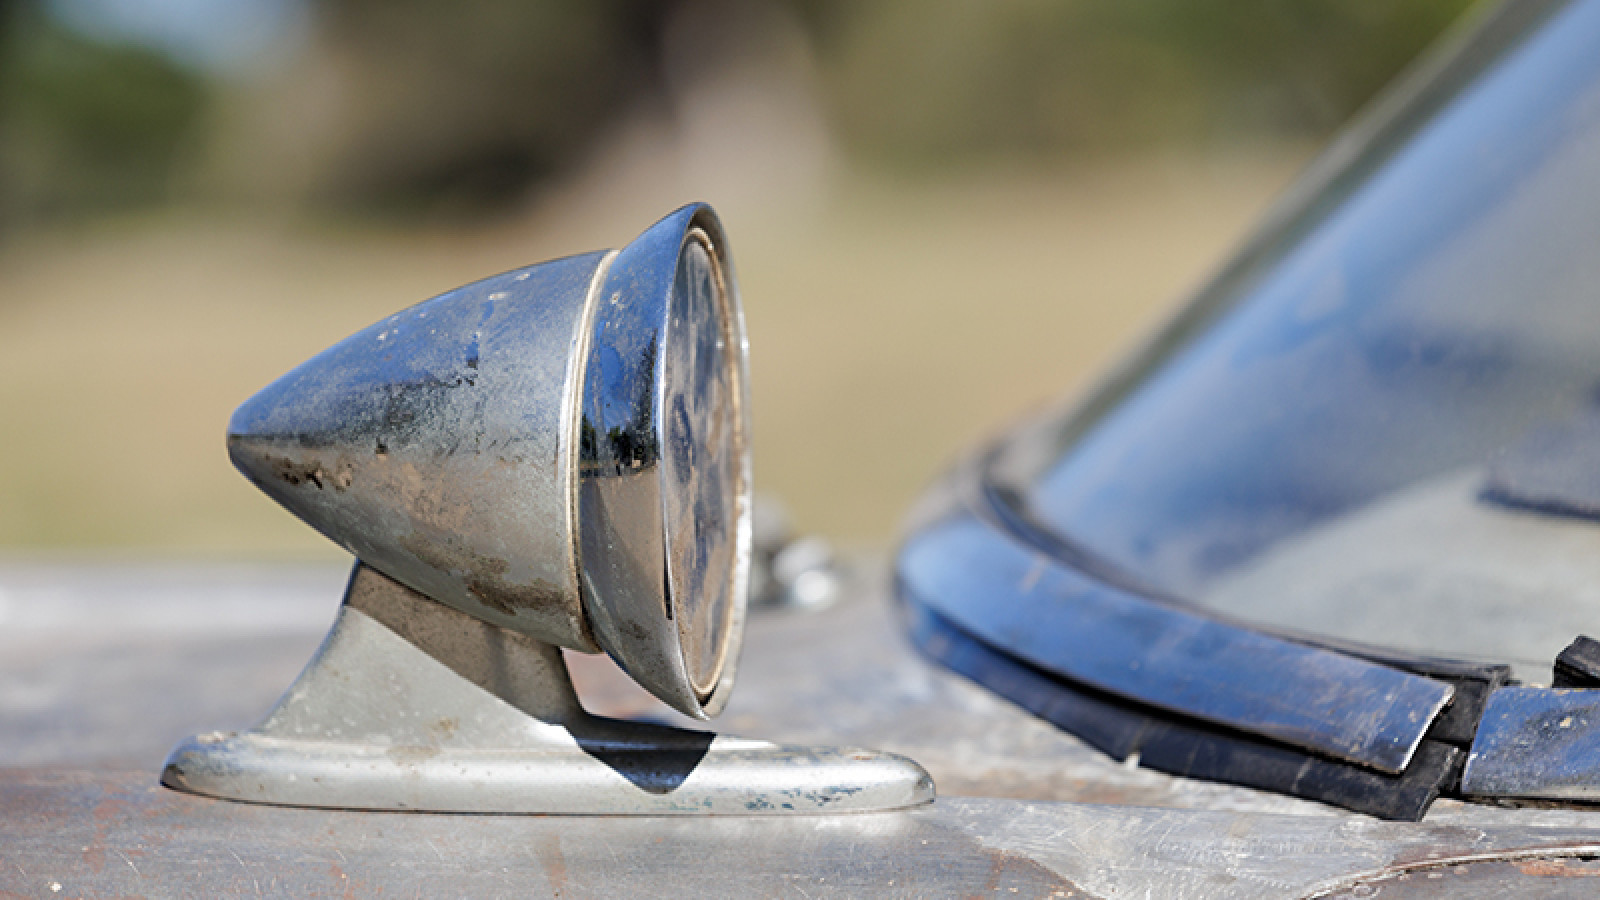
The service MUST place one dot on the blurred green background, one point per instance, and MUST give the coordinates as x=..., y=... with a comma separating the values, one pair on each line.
x=944, y=214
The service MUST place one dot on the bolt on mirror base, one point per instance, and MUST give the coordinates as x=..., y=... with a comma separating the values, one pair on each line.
x=411, y=705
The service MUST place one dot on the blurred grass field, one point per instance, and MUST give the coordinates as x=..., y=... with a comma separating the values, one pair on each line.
x=943, y=214
x=892, y=323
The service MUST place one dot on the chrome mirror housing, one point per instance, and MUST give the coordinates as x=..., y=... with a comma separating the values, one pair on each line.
x=557, y=456
x=560, y=451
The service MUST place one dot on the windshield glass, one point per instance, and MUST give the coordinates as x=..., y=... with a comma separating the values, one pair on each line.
x=1383, y=421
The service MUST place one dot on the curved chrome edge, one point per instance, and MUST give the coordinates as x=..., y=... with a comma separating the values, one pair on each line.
x=705, y=225
x=622, y=517
x=733, y=777
x=572, y=422
x=962, y=565
x=1142, y=736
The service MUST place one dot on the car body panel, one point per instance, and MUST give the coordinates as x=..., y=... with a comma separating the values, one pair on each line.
x=99, y=680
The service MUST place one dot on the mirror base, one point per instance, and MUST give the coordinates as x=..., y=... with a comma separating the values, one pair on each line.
x=411, y=705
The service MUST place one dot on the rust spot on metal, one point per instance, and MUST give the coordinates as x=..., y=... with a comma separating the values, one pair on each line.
x=107, y=813
x=547, y=849
x=485, y=577
x=339, y=477
x=509, y=597
x=1502, y=877
x=1458, y=844
x=1010, y=873
x=411, y=754
x=1560, y=867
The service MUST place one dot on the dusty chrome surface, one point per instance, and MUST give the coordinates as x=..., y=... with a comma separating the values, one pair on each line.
x=560, y=450
x=1001, y=590
x=412, y=705
x=435, y=445
x=664, y=474
x=1537, y=743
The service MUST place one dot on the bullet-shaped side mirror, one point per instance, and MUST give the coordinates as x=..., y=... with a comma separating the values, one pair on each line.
x=553, y=457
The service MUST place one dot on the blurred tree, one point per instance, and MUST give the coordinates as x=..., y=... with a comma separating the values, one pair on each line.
x=914, y=82
x=463, y=105
x=405, y=105
x=86, y=126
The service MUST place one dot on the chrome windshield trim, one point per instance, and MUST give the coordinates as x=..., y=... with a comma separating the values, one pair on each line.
x=1537, y=744
x=1162, y=742
x=1065, y=622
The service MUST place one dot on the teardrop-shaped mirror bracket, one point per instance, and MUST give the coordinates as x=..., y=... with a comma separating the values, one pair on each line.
x=556, y=456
